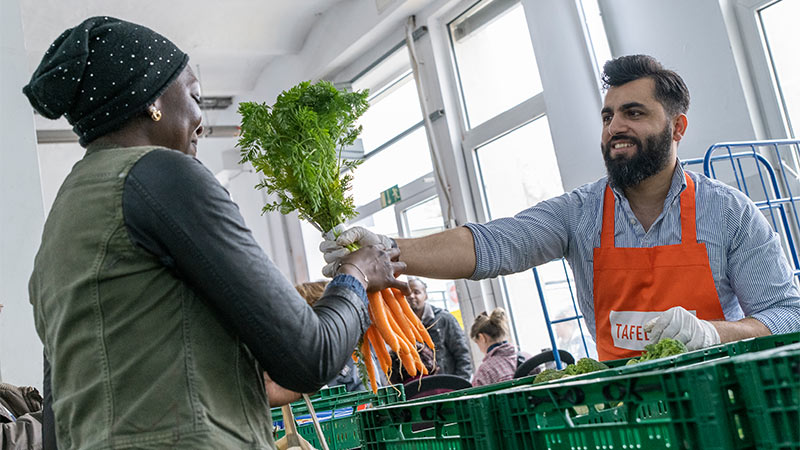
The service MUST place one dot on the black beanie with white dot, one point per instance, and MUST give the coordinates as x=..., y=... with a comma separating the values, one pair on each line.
x=102, y=73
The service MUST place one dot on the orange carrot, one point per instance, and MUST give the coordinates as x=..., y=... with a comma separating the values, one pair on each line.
x=368, y=364
x=399, y=315
x=381, y=321
x=419, y=366
x=408, y=361
x=380, y=349
x=401, y=299
x=398, y=331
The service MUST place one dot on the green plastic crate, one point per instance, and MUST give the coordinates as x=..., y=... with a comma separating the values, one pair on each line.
x=771, y=385
x=747, y=346
x=698, y=405
x=463, y=423
x=337, y=410
x=619, y=368
x=693, y=407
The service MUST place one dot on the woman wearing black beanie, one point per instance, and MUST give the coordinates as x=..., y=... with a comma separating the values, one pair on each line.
x=157, y=309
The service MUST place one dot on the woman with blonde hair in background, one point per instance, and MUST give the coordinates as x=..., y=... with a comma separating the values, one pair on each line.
x=490, y=333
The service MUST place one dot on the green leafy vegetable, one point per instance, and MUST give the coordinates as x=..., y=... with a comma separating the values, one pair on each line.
x=587, y=365
x=296, y=144
x=663, y=348
x=549, y=374
x=584, y=365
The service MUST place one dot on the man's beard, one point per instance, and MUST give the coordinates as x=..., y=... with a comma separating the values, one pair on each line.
x=624, y=172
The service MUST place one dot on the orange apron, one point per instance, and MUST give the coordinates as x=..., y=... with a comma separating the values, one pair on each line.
x=634, y=285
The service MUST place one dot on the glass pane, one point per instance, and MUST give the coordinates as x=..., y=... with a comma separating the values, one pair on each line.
x=314, y=260
x=526, y=308
x=568, y=337
x=403, y=162
x=780, y=21
x=597, y=33
x=424, y=218
x=382, y=222
x=390, y=113
x=494, y=58
x=519, y=169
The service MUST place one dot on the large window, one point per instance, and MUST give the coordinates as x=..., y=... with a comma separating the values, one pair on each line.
x=494, y=58
x=507, y=138
x=778, y=21
x=519, y=170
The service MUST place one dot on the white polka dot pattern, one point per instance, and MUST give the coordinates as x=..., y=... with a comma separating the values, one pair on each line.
x=82, y=60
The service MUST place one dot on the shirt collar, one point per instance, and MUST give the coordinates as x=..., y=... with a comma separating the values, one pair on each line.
x=494, y=346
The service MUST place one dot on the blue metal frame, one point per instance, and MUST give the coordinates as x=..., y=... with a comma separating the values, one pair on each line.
x=775, y=186
x=777, y=198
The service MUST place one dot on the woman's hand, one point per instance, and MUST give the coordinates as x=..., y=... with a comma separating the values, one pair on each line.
x=376, y=267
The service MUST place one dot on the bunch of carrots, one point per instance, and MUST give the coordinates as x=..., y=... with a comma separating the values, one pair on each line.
x=393, y=324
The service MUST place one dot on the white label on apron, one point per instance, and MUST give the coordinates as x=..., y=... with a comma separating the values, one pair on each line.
x=627, y=328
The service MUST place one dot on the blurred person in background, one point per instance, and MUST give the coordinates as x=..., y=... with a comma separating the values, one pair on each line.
x=20, y=417
x=490, y=333
x=452, y=351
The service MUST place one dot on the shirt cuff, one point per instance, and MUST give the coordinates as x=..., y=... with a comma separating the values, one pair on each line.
x=780, y=320
x=350, y=282
x=482, y=253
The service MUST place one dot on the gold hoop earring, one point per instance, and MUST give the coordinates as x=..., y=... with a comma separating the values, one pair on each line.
x=155, y=113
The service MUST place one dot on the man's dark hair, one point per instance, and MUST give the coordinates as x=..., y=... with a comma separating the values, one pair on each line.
x=670, y=89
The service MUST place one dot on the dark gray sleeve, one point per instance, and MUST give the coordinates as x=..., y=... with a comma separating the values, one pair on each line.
x=175, y=209
x=456, y=343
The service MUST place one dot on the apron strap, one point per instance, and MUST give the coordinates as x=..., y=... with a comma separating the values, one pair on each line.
x=607, y=228
x=688, y=223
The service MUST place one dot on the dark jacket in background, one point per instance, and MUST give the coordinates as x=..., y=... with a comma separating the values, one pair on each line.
x=20, y=418
x=452, y=351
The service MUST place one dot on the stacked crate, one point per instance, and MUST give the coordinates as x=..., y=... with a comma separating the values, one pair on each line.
x=743, y=395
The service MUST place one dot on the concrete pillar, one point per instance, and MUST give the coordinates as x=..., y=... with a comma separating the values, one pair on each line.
x=21, y=209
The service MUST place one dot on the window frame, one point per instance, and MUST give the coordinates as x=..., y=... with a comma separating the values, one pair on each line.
x=760, y=67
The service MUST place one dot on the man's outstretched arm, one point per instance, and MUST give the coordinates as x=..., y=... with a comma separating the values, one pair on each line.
x=446, y=255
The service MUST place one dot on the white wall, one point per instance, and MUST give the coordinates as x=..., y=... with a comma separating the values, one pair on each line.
x=21, y=210
x=690, y=37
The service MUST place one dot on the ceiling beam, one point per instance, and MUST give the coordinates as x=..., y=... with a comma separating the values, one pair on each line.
x=68, y=136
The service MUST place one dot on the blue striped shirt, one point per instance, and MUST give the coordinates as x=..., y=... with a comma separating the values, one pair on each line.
x=751, y=273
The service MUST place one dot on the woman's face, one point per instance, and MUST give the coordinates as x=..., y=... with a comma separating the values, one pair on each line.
x=482, y=341
x=180, y=125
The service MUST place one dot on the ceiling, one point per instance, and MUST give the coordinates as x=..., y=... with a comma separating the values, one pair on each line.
x=230, y=42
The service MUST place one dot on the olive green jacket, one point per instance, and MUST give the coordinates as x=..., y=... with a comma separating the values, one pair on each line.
x=137, y=359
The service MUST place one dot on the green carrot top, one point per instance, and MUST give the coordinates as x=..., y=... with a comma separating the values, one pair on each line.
x=296, y=144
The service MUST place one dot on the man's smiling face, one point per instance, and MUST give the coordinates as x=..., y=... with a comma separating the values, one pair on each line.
x=637, y=137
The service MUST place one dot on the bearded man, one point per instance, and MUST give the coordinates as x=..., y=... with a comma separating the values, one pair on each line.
x=656, y=251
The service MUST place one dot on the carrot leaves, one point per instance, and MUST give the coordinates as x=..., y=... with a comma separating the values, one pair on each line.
x=295, y=145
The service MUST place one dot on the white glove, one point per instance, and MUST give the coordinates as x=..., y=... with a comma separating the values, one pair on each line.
x=681, y=325
x=334, y=245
